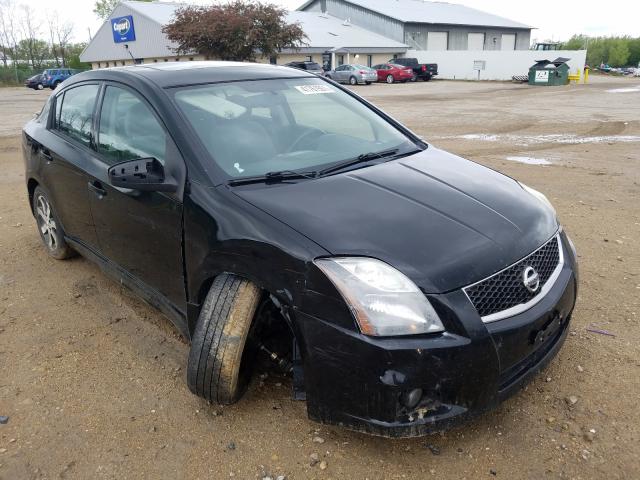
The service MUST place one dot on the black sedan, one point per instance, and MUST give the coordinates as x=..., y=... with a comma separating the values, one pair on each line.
x=34, y=82
x=274, y=216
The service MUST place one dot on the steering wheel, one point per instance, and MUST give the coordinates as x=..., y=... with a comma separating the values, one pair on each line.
x=306, y=135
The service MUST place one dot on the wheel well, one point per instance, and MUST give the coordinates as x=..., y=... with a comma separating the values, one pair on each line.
x=31, y=187
x=274, y=329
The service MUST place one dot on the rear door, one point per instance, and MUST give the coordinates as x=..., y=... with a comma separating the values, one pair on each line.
x=66, y=151
x=139, y=231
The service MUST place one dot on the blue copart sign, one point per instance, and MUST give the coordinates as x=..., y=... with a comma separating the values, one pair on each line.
x=122, y=28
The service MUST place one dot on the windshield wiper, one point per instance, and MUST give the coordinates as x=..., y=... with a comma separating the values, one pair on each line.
x=365, y=157
x=272, y=177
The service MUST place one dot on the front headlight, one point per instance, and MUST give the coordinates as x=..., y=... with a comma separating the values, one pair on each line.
x=384, y=301
x=540, y=196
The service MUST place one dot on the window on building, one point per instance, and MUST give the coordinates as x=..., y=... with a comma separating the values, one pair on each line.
x=177, y=59
x=128, y=128
x=475, y=41
x=369, y=60
x=122, y=63
x=309, y=58
x=99, y=65
x=139, y=61
x=166, y=59
x=74, y=112
x=437, y=40
x=508, y=41
x=155, y=60
x=340, y=59
x=191, y=59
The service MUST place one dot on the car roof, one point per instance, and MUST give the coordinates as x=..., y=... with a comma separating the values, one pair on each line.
x=172, y=74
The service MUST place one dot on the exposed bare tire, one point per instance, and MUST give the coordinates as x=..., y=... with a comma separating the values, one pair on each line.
x=49, y=226
x=219, y=364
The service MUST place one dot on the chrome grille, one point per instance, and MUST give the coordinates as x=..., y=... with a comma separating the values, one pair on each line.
x=504, y=294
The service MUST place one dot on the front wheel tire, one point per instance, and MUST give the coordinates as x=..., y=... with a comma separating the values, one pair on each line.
x=220, y=358
x=49, y=226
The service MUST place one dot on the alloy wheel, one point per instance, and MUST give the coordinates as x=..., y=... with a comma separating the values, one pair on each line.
x=46, y=223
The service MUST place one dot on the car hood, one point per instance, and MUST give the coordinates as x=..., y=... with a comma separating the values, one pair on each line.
x=444, y=221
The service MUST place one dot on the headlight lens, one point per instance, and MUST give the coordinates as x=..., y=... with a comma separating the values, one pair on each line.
x=540, y=196
x=384, y=301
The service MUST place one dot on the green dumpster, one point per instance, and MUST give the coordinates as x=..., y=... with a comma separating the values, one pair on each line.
x=549, y=73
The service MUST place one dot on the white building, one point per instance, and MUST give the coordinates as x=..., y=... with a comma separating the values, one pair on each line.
x=133, y=34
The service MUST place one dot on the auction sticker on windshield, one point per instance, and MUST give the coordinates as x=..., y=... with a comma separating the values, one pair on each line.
x=314, y=89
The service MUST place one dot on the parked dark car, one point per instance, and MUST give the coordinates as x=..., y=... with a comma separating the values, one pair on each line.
x=52, y=77
x=34, y=82
x=421, y=71
x=272, y=214
x=390, y=73
x=307, y=66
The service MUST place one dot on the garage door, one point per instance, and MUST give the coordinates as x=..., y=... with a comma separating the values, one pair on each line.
x=508, y=41
x=437, y=40
x=475, y=41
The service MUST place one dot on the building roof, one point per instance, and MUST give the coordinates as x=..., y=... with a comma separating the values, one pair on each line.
x=159, y=12
x=419, y=11
x=327, y=32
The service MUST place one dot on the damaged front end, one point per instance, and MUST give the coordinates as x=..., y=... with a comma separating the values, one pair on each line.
x=410, y=385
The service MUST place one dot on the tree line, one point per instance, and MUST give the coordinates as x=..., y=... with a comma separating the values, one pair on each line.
x=31, y=41
x=614, y=51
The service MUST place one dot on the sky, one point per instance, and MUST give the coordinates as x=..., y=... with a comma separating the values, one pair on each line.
x=554, y=19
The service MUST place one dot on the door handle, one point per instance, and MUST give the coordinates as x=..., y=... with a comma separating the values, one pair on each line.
x=96, y=187
x=46, y=154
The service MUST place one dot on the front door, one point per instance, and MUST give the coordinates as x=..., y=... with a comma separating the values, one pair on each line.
x=139, y=231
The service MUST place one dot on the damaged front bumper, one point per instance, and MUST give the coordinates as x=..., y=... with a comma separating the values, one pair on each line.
x=371, y=384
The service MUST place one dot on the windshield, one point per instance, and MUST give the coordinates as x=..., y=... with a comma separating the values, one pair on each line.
x=254, y=127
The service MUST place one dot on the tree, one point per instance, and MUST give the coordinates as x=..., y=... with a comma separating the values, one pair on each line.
x=239, y=30
x=103, y=8
x=8, y=31
x=60, y=34
x=30, y=26
x=618, y=52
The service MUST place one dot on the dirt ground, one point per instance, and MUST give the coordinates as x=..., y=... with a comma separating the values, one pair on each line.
x=93, y=380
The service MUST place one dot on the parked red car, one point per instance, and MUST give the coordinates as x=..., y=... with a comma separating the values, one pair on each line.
x=391, y=72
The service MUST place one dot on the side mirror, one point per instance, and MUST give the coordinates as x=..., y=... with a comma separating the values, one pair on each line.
x=142, y=174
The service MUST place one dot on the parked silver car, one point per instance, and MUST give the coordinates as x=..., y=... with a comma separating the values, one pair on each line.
x=353, y=74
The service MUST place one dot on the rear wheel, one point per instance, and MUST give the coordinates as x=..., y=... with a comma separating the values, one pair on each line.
x=353, y=80
x=390, y=79
x=220, y=358
x=39, y=86
x=49, y=227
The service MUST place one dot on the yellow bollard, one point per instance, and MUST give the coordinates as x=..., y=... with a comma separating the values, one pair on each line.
x=586, y=74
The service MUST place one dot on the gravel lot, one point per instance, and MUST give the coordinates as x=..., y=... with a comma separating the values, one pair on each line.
x=93, y=380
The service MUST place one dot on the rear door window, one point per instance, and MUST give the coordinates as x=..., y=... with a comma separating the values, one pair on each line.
x=74, y=112
x=129, y=129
